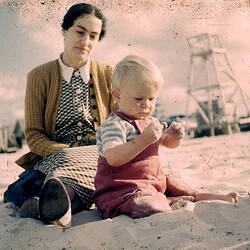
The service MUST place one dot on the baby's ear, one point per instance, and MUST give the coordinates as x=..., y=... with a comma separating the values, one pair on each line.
x=116, y=94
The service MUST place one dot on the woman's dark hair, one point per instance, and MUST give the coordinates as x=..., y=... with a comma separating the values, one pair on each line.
x=79, y=10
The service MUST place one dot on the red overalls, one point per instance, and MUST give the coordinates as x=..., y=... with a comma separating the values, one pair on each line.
x=136, y=188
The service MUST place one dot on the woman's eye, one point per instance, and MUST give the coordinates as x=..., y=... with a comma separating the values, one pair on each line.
x=138, y=99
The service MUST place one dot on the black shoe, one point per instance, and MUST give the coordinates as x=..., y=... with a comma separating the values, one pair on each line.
x=54, y=203
x=29, y=208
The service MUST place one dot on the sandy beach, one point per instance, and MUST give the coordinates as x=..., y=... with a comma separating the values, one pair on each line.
x=217, y=164
x=31, y=34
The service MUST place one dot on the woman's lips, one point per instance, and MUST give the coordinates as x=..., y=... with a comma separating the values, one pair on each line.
x=82, y=49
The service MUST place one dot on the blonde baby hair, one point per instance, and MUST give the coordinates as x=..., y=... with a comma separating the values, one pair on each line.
x=138, y=69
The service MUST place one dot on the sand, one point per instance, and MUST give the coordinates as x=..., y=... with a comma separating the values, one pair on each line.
x=216, y=164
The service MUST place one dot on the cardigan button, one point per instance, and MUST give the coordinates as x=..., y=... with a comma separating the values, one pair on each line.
x=90, y=75
x=93, y=96
x=94, y=107
x=96, y=119
x=91, y=85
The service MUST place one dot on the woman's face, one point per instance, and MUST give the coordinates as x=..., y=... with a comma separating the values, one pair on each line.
x=82, y=37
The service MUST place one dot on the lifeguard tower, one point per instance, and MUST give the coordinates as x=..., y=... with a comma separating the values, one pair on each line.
x=213, y=89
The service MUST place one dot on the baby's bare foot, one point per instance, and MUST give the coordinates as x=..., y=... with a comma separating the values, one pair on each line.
x=231, y=197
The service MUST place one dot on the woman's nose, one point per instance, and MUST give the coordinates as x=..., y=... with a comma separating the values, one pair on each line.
x=85, y=39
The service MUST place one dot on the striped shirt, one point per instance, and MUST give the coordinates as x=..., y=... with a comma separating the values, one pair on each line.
x=114, y=131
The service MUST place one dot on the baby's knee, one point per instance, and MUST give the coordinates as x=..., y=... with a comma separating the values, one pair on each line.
x=146, y=206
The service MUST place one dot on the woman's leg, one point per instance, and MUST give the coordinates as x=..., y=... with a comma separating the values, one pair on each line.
x=77, y=205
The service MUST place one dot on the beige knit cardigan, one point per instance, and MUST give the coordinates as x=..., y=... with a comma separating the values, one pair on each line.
x=43, y=92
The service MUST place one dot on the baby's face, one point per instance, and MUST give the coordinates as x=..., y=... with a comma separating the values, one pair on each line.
x=137, y=100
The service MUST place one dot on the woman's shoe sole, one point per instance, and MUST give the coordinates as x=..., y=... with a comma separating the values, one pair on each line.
x=29, y=208
x=54, y=202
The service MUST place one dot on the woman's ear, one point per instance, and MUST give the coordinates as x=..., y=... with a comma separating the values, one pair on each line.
x=116, y=94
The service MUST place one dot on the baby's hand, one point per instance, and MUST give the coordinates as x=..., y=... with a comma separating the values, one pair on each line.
x=176, y=130
x=164, y=127
x=153, y=131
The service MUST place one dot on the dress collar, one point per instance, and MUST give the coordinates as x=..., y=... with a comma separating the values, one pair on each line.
x=67, y=71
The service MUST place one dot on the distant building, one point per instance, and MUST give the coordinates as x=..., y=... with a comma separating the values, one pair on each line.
x=12, y=137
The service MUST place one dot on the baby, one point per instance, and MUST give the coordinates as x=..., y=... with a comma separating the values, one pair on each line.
x=130, y=179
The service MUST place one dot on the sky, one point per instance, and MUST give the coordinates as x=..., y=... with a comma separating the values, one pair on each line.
x=30, y=34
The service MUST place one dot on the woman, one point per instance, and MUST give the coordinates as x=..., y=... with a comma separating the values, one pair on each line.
x=66, y=100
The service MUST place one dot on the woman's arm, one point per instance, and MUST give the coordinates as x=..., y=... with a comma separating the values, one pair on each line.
x=112, y=104
x=36, y=100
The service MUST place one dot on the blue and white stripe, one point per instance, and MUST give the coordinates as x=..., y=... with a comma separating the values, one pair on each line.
x=114, y=131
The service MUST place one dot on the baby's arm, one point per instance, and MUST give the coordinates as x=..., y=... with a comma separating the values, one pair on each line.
x=172, y=136
x=124, y=153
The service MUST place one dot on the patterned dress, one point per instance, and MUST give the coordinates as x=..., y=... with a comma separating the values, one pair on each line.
x=75, y=167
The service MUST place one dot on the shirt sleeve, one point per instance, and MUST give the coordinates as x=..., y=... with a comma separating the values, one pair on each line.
x=112, y=133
